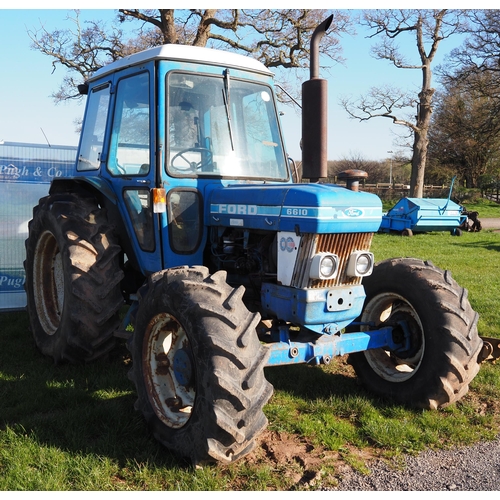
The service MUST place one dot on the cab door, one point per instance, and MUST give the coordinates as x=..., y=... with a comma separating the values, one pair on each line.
x=123, y=149
x=183, y=232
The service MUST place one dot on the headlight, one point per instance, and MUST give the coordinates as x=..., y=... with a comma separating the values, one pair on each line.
x=360, y=264
x=324, y=266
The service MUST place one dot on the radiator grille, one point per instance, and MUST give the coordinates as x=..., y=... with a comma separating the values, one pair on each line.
x=342, y=244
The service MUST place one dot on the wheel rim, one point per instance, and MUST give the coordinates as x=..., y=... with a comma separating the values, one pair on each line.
x=395, y=367
x=48, y=282
x=169, y=370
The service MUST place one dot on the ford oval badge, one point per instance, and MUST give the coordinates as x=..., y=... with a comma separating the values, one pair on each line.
x=353, y=212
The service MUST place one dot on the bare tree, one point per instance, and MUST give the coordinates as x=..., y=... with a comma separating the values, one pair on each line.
x=81, y=49
x=480, y=53
x=376, y=170
x=474, y=67
x=278, y=38
x=466, y=129
x=429, y=28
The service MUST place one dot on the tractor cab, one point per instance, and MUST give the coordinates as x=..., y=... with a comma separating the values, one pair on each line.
x=162, y=130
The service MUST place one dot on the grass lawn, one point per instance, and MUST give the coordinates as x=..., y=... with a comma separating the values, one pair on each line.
x=74, y=427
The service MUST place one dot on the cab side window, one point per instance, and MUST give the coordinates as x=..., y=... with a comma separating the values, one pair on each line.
x=94, y=128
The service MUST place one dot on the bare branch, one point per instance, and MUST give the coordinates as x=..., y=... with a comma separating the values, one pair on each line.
x=380, y=102
x=81, y=49
x=278, y=38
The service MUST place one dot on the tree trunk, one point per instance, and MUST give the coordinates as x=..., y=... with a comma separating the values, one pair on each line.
x=167, y=27
x=418, y=162
x=421, y=141
x=204, y=27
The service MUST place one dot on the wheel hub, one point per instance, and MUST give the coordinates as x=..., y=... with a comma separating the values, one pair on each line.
x=391, y=309
x=48, y=282
x=406, y=326
x=168, y=369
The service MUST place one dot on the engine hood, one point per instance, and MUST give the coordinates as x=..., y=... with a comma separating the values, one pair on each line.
x=303, y=208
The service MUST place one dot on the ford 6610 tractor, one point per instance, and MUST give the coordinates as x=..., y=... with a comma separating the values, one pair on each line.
x=184, y=205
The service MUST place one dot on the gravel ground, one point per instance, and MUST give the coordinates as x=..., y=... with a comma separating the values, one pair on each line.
x=490, y=223
x=475, y=468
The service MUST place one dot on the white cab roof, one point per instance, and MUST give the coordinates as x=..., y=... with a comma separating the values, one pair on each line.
x=186, y=53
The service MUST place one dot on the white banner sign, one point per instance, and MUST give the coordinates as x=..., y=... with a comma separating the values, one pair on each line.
x=26, y=171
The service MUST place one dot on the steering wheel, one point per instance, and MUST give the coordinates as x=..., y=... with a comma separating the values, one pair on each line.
x=193, y=165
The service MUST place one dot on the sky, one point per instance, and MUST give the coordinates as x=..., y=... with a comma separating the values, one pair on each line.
x=29, y=114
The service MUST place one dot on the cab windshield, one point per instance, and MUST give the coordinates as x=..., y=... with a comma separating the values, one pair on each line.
x=222, y=127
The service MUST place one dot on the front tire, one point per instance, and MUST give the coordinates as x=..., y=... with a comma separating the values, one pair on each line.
x=442, y=357
x=198, y=366
x=72, y=278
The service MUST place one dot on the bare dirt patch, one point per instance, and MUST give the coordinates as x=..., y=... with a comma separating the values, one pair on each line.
x=304, y=465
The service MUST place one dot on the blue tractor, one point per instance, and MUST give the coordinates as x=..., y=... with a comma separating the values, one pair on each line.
x=184, y=206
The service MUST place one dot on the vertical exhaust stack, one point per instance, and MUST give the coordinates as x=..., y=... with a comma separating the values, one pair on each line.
x=314, y=114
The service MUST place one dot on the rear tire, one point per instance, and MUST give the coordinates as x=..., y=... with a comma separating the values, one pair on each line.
x=442, y=357
x=72, y=278
x=198, y=366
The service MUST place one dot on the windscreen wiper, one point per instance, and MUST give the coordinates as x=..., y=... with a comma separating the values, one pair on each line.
x=227, y=105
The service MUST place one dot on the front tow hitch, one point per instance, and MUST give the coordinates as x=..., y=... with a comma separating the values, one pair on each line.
x=491, y=349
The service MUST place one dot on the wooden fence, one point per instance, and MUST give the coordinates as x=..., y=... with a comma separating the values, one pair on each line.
x=491, y=194
x=387, y=191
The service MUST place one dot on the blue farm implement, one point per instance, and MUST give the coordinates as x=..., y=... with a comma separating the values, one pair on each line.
x=422, y=215
x=413, y=215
